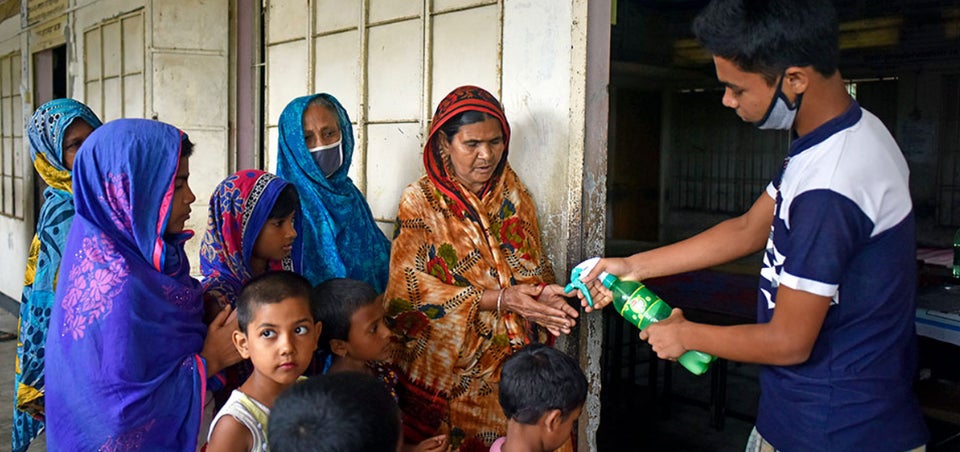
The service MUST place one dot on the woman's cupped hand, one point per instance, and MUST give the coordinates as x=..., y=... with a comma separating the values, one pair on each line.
x=544, y=305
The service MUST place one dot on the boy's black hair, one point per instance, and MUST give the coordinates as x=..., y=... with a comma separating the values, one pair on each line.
x=338, y=412
x=269, y=288
x=768, y=36
x=537, y=379
x=336, y=300
x=287, y=202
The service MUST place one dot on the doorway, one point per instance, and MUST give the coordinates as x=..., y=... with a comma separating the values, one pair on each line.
x=633, y=165
x=49, y=83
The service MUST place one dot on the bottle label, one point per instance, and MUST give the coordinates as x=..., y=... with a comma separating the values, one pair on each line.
x=637, y=309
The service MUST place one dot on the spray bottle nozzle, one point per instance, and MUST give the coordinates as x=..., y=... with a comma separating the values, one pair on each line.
x=576, y=283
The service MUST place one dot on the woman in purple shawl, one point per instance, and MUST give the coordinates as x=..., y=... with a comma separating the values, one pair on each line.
x=128, y=353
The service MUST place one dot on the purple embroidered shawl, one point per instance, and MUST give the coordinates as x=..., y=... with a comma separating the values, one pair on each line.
x=123, y=364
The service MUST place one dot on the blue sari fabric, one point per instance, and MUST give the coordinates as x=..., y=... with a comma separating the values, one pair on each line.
x=341, y=238
x=126, y=331
x=45, y=132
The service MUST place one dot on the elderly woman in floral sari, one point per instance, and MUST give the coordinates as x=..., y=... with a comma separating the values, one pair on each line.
x=128, y=353
x=56, y=131
x=469, y=281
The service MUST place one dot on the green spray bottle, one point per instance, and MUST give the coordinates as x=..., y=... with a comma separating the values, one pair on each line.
x=639, y=305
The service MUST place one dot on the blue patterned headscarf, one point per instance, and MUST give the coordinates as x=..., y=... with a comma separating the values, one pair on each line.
x=45, y=132
x=341, y=239
x=126, y=332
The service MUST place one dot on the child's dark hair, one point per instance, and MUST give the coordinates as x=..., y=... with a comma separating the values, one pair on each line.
x=269, y=288
x=336, y=301
x=186, y=146
x=287, y=202
x=537, y=379
x=343, y=411
x=768, y=36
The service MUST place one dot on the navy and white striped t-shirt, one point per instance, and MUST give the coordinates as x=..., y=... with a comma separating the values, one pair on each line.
x=844, y=228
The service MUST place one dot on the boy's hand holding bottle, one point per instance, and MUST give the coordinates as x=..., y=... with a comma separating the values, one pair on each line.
x=639, y=306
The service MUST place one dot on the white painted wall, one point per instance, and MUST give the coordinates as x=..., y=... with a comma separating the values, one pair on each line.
x=537, y=73
x=188, y=86
x=15, y=235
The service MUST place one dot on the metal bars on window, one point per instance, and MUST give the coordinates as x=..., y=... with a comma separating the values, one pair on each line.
x=719, y=163
x=113, y=67
x=11, y=138
x=948, y=189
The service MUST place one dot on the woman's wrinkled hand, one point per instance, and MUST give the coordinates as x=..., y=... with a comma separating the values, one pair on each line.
x=218, y=348
x=549, y=310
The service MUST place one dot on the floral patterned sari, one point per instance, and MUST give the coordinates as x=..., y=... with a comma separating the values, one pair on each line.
x=123, y=364
x=450, y=246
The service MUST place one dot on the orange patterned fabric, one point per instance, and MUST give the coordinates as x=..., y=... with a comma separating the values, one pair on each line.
x=447, y=250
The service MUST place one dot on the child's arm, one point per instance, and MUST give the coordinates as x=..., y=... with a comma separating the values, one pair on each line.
x=786, y=340
x=436, y=444
x=230, y=435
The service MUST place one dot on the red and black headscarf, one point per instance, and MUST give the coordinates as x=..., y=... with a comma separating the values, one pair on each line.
x=462, y=99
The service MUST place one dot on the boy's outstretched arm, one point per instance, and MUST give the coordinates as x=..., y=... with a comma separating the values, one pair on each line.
x=786, y=340
x=728, y=240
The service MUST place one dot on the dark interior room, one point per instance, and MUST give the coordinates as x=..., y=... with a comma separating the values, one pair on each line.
x=679, y=162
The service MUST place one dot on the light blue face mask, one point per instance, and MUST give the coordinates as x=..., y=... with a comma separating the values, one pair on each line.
x=328, y=158
x=781, y=114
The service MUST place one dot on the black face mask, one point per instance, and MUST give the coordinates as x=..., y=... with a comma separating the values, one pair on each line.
x=329, y=158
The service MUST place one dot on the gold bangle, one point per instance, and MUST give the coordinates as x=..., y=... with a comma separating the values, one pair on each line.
x=499, y=299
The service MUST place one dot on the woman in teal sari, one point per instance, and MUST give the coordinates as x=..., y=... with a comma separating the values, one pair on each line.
x=340, y=236
x=55, y=131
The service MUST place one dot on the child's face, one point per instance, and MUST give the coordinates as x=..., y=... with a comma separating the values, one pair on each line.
x=369, y=337
x=280, y=339
x=275, y=240
x=556, y=437
x=182, y=198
